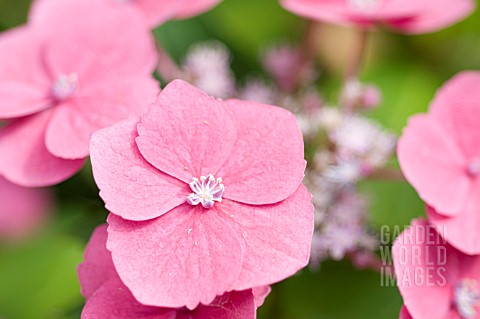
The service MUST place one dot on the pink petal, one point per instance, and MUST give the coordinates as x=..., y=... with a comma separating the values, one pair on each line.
x=20, y=99
x=404, y=314
x=457, y=107
x=46, y=14
x=158, y=11
x=192, y=8
x=276, y=238
x=417, y=259
x=24, y=85
x=469, y=266
x=129, y=185
x=404, y=16
x=95, y=28
x=186, y=133
x=461, y=231
x=21, y=58
x=344, y=11
x=25, y=159
x=261, y=293
x=434, y=15
x=183, y=258
x=98, y=267
x=267, y=163
x=434, y=165
x=114, y=301
x=332, y=11
x=22, y=209
x=98, y=105
x=231, y=305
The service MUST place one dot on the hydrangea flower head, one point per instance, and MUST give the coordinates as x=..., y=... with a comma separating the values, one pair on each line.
x=64, y=76
x=108, y=298
x=406, y=16
x=435, y=279
x=439, y=155
x=206, y=197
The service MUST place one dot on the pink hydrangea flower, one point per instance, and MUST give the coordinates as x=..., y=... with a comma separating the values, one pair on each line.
x=108, y=298
x=64, y=76
x=439, y=154
x=156, y=12
x=406, y=16
x=206, y=197
x=22, y=209
x=435, y=279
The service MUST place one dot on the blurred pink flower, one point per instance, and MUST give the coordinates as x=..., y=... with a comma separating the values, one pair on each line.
x=64, y=76
x=283, y=63
x=155, y=12
x=108, y=298
x=435, y=279
x=206, y=197
x=207, y=66
x=22, y=209
x=439, y=154
x=406, y=16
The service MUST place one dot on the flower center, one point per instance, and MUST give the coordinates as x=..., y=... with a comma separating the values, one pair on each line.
x=473, y=168
x=206, y=191
x=366, y=6
x=467, y=298
x=65, y=86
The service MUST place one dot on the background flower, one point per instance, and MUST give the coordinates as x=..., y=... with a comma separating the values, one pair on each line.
x=74, y=77
x=155, y=12
x=439, y=155
x=22, y=209
x=435, y=279
x=400, y=15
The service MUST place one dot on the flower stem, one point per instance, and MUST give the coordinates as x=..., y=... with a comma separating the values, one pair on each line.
x=352, y=71
x=307, y=52
x=354, y=63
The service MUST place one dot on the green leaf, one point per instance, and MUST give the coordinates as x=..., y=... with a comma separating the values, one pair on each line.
x=38, y=278
x=392, y=203
x=337, y=291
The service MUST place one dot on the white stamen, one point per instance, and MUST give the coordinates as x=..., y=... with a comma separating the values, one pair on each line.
x=65, y=86
x=467, y=298
x=206, y=191
x=365, y=6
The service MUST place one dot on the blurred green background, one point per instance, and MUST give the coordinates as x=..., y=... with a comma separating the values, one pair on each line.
x=38, y=276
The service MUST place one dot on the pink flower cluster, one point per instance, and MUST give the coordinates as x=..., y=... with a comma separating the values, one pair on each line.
x=205, y=197
x=439, y=154
x=63, y=76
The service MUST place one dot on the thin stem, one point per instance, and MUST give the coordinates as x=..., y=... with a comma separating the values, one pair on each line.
x=167, y=67
x=307, y=51
x=354, y=63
